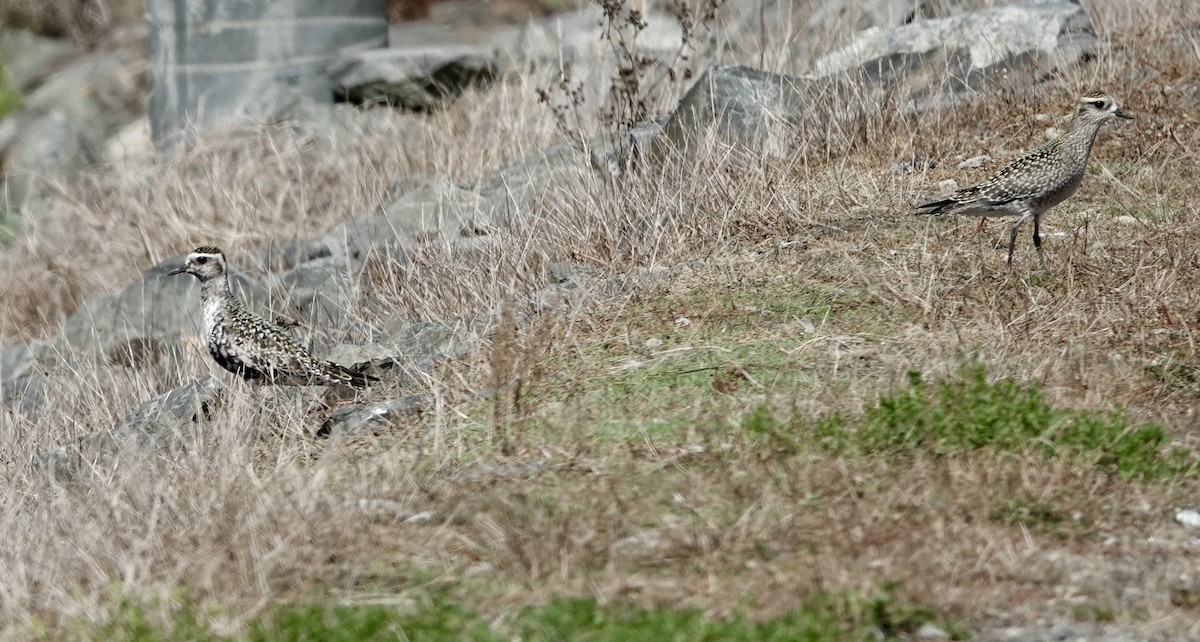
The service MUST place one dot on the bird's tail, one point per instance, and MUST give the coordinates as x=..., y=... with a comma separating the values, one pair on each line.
x=356, y=379
x=359, y=380
x=936, y=207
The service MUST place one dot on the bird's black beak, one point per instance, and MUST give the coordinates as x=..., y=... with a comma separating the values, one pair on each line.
x=1121, y=113
x=179, y=270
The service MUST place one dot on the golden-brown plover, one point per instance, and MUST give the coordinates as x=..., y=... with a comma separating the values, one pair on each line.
x=1032, y=184
x=249, y=346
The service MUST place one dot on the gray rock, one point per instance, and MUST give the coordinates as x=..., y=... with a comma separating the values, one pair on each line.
x=66, y=122
x=321, y=290
x=19, y=360
x=975, y=162
x=213, y=63
x=823, y=25
x=145, y=319
x=11, y=129
x=744, y=107
x=864, y=15
x=178, y=414
x=413, y=78
x=132, y=144
x=29, y=58
x=26, y=394
x=411, y=347
x=284, y=255
x=373, y=417
x=1188, y=517
x=468, y=217
x=418, y=341
x=48, y=147
x=159, y=426
x=517, y=190
x=1023, y=42
x=929, y=631
x=430, y=214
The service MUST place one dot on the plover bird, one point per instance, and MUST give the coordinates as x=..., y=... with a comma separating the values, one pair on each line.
x=247, y=345
x=1039, y=180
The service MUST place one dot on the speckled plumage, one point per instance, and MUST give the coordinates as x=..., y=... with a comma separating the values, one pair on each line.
x=1039, y=180
x=247, y=345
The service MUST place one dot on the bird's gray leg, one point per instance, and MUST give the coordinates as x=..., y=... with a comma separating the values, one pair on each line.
x=1012, y=234
x=1037, y=239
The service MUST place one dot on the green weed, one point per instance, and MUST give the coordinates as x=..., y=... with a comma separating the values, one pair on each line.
x=968, y=412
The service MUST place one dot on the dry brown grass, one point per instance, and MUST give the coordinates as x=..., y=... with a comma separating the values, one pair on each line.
x=610, y=458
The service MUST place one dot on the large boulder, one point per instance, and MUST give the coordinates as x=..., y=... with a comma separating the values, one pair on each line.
x=213, y=63
x=1022, y=42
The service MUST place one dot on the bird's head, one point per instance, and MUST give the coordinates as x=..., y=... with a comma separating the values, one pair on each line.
x=205, y=263
x=1100, y=107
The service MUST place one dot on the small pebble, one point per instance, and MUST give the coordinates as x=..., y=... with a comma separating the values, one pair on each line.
x=1188, y=517
x=975, y=162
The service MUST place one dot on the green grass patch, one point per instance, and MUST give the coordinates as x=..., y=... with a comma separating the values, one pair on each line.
x=968, y=412
x=819, y=618
x=350, y=623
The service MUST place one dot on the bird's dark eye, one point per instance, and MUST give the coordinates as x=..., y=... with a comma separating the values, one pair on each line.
x=201, y=260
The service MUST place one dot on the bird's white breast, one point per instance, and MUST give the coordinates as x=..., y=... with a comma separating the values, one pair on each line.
x=212, y=315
